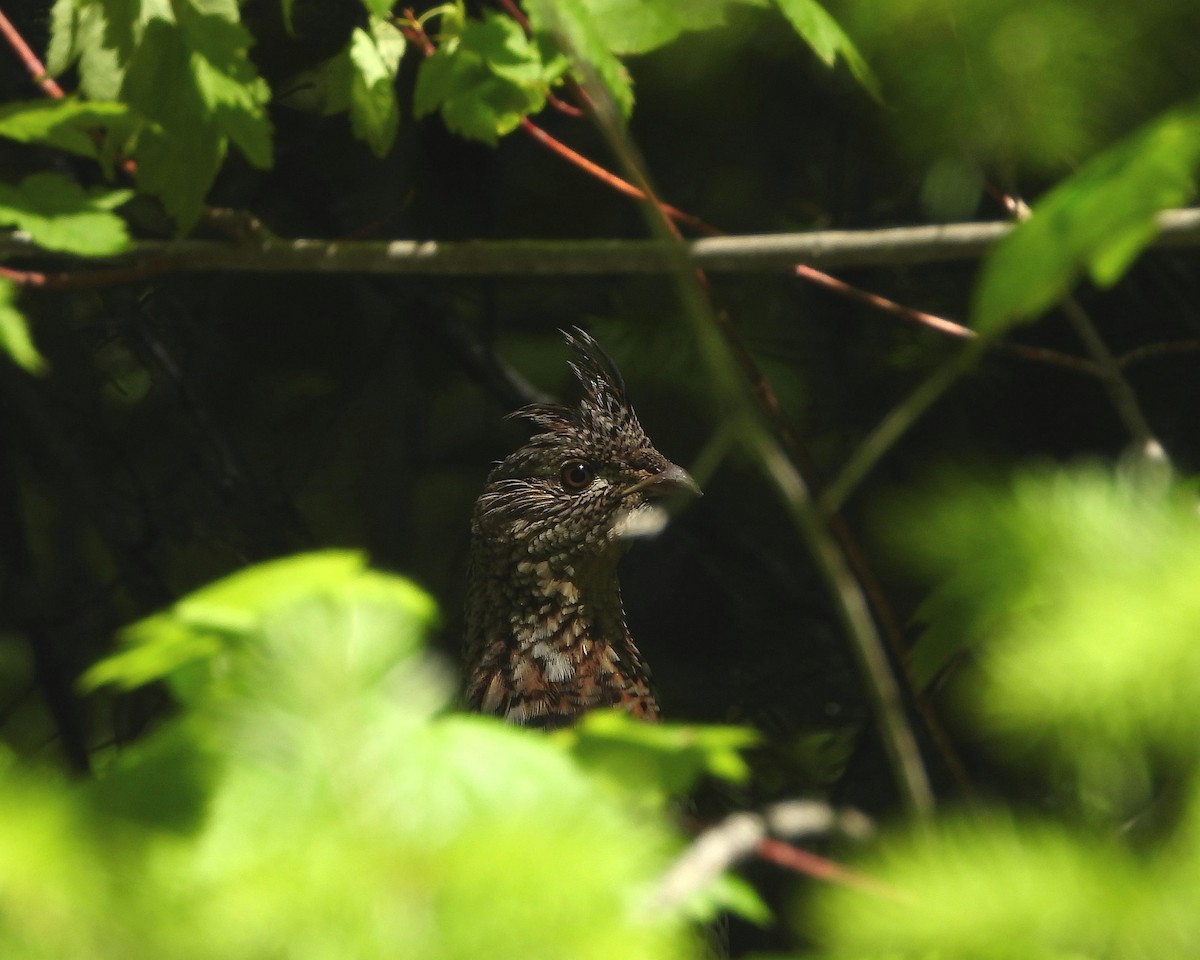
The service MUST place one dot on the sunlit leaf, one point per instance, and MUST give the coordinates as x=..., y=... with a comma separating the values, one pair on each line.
x=1095, y=222
x=317, y=804
x=828, y=40
x=379, y=8
x=184, y=643
x=636, y=26
x=485, y=80
x=663, y=760
x=66, y=124
x=94, y=36
x=1017, y=86
x=155, y=649
x=373, y=58
x=988, y=887
x=570, y=22
x=729, y=894
x=1074, y=593
x=194, y=78
x=15, y=339
x=60, y=215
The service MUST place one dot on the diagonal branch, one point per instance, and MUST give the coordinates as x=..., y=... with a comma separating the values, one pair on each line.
x=725, y=353
x=1123, y=398
x=35, y=67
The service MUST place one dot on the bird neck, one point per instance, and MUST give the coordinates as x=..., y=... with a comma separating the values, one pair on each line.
x=547, y=638
x=574, y=601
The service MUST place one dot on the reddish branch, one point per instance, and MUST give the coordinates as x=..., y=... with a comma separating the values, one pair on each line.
x=36, y=68
x=414, y=31
x=820, y=868
x=593, y=169
x=88, y=279
x=811, y=274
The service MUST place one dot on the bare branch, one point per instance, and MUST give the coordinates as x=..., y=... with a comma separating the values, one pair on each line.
x=1150, y=351
x=739, y=836
x=35, y=67
x=773, y=253
x=1124, y=400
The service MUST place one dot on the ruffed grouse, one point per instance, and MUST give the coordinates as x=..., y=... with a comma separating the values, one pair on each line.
x=546, y=638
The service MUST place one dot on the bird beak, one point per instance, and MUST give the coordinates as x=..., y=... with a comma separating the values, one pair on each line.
x=673, y=479
x=649, y=519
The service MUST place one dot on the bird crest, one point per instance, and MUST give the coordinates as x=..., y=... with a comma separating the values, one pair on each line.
x=603, y=405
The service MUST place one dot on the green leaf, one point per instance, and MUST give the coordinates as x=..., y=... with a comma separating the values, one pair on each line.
x=1096, y=221
x=194, y=78
x=374, y=57
x=828, y=40
x=435, y=82
x=60, y=215
x=96, y=36
x=163, y=782
x=219, y=618
x=569, y=24
x=634, y=26
x=15, y=339
x=66, y=124
x=360, y=80
x=729, y=893
x=379, y=9
x=1072, y=590
x=390, y=42
x=316, y=806
x=988, y=887
x=661, y=761
x=230, y=87
x=485, y=80
x=156, y=648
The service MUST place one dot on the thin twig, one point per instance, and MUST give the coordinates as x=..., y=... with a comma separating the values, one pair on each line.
x=722, y=346
x=1150, y=351
x=941, y=324
x=36, y=68
x=893, y=426
x=610, y=179
x=882, y=687
x=1123, y=398
x=821, y=868
x=741, y=835
x=89, y=279
x=484, y=364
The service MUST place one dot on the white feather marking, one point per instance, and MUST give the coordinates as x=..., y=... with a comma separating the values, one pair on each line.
x=559, y=668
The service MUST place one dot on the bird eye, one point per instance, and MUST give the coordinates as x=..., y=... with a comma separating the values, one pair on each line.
x=577, y=475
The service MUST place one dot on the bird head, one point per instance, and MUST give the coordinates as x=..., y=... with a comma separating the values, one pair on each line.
x=590, y=478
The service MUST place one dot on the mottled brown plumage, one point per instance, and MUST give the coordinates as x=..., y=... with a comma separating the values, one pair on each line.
x=545, y=629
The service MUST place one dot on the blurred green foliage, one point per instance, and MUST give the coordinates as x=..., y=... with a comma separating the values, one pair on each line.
x=304, y=791
x=1076, y=594
x=15, y=340
x=1025, y=86
x=60, y=215
x=486, y=76
x=312, y=799
x=1095, y=222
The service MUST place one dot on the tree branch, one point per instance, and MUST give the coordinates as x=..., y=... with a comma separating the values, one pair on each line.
x=37, y=70
x=767, y=253
x=740, y=835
